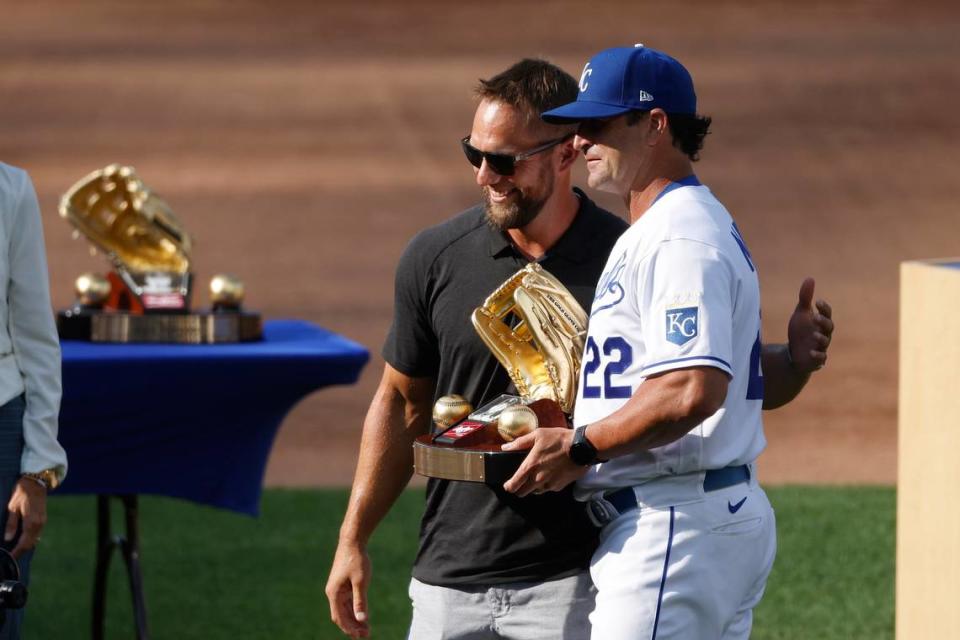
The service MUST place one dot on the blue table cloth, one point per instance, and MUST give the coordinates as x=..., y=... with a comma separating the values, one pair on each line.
x=191, y=421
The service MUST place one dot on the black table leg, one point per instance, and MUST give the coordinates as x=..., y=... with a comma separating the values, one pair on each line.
x=129, y=546
x=104, y=552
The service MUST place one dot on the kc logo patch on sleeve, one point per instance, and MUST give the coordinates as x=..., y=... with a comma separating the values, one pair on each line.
x=682, y=324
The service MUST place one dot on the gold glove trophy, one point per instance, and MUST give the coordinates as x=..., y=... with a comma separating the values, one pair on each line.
x=146, y=298
x=541, y=353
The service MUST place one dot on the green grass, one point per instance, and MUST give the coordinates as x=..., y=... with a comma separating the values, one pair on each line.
x=834, y=573
x=211, y=574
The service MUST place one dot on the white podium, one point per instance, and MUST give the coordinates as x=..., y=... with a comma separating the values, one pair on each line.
x=928, y=473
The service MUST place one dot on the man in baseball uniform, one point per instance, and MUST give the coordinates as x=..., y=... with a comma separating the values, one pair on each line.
x=668, y=414
x=490, y=564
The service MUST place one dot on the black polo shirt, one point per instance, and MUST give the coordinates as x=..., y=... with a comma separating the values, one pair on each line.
x=472, y=533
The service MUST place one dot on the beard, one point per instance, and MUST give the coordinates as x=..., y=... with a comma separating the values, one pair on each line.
x=522, y=210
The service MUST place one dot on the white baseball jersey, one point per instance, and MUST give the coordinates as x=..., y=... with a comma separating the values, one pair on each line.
x=680, y=290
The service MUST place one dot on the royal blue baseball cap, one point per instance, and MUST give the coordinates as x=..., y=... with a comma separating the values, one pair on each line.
x=624, y=79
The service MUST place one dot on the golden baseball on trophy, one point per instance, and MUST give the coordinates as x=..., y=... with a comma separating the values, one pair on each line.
x=226, y=290
x=516, y=421
x=92, y=289
x=450, y=410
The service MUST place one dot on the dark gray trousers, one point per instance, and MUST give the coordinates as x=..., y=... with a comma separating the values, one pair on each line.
x=11, y=449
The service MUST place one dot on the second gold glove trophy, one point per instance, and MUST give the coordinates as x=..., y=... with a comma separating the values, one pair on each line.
x=541, y=352
x=146, y=298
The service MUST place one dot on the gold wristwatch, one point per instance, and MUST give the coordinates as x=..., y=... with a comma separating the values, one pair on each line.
x=48, y=478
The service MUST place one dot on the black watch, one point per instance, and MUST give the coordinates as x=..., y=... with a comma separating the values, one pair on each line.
x=582, y=451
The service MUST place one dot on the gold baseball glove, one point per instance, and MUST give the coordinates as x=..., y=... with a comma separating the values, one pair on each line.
x=121, y=216
x=542, y=351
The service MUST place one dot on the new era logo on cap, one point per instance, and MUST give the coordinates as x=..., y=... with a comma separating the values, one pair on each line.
x=624, y=79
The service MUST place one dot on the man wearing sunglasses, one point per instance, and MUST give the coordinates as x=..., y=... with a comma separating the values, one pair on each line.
x=490, y=564
x=668, y=413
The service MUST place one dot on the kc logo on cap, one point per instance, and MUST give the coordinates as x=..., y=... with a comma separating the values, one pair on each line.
x=583, y=77
x=623, y=79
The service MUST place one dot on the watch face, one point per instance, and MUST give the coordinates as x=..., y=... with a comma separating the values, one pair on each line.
x=582, y=452
x=48, y=477
x=582, y=455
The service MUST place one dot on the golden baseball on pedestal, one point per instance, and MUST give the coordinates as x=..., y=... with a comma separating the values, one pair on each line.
x=450, y=410
x=516, y=421
x=226, y=290
x=91, y=289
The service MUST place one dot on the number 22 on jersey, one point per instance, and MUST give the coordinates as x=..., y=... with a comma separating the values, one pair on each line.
x=600, y=373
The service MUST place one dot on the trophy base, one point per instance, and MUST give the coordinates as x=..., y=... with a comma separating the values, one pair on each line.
x=177, y=328
x=477, y=463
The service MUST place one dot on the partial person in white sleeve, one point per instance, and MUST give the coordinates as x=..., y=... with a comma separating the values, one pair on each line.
x=32, y=462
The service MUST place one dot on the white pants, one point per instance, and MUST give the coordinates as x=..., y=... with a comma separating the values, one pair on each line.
x=693, y=570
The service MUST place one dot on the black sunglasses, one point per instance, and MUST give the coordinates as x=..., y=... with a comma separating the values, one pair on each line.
x=502, y=163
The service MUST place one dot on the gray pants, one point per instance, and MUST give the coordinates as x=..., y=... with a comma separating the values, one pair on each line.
x=554, y=610
x=11, y=448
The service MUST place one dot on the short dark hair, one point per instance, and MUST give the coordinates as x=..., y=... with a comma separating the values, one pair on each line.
x=688, y=130
x=530, y=86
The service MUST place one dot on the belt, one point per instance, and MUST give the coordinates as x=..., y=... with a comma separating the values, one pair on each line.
x=624, y=500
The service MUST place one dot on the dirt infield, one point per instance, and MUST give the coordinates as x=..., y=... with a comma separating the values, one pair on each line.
x=303, y=145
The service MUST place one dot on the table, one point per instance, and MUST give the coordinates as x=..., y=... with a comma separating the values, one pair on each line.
x=187, y=421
